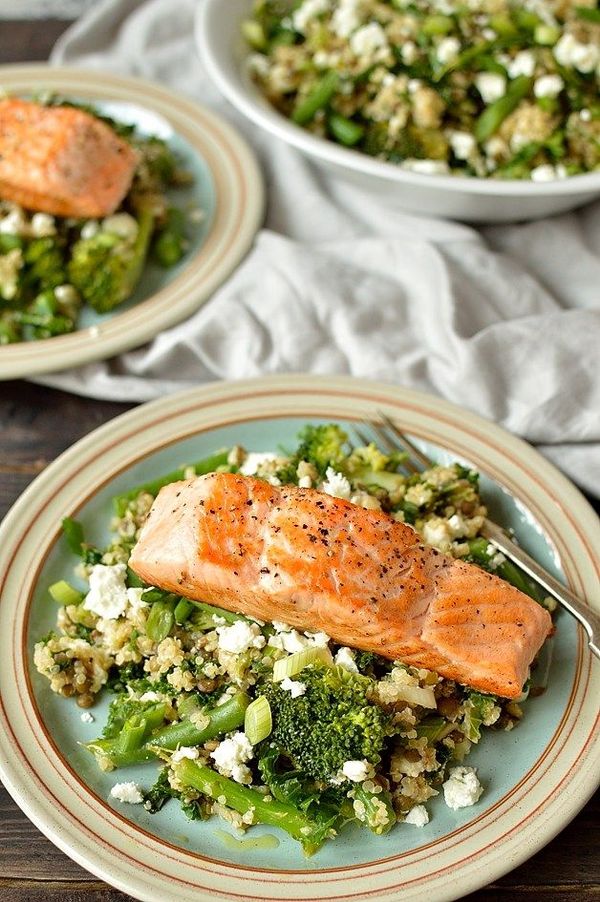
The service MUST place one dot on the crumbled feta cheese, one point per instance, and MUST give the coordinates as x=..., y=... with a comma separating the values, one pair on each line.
x=305, y=482
x=308, y=11
x=256, y=64
x=462, y=788
x=418, y=816
x=447, y=50
x=436, y=533
x=458, y=526
x=585, y=115
x=294, y=687
x=280, y=627
x=108, y=593
x=463, y=145
x=368, y=39
x=150, y=696
x=291, y=640
x=491, y=86
x=89, y=229
x=42, y=225
x=548, y=86
x=230, y=757
x=548, y=173
x=127, y=792
x=347, y=17
x=254, y=461
x=122, y=224
x=239, y=637
x=345, y=658
x=336, y=484
x=185, y=751
x=522, y=64
x=86, y=717
x=14, y=223
x=408, y=52
x=135, y=600
x=569, y=52
x=497, y=560
x=426, y=167
x=357, y=771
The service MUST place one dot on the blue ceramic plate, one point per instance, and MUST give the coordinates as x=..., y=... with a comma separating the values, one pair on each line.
x=535, y=777
x=227, y=188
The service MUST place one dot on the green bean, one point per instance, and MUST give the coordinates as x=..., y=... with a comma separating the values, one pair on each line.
x=207, y=465
x=161, y=619
x=494, y=115
x=317, y=99
x=169, y=245
x=183, y=609
x=244, y=799
x=345, y=130
x=223, y=719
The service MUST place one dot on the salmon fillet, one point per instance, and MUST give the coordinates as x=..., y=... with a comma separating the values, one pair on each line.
x=61, y=160
x=320, y=563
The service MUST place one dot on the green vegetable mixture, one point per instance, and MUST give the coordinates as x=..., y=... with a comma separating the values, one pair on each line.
x=485, y=88
x=259, y=722
x=51, y=266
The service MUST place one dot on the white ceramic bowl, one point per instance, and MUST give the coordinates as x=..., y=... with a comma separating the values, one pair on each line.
x=223, y=52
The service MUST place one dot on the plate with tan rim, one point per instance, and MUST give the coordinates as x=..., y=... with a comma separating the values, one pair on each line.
x=536, y=777
x=227, y=188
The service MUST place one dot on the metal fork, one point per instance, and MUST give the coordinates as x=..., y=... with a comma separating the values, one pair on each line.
x=393, y=439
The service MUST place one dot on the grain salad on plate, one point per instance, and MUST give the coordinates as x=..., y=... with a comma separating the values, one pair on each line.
x=271, y=720
x=481, y=88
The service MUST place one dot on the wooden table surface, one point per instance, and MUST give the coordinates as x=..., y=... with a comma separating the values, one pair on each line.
x=36, y=425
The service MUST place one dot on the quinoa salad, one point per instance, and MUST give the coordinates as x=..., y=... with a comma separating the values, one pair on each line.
x=259, y=722
x=480, y=88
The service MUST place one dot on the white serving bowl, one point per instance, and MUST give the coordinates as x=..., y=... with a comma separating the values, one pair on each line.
x=223, y=52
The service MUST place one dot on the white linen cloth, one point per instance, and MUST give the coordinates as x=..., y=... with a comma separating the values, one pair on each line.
x=504, y=320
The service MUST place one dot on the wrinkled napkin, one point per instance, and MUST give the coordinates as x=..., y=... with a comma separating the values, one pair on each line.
x=504, y=320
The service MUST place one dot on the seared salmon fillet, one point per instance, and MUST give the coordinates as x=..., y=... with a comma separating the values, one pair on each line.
x=61, y=160
x=321, y=563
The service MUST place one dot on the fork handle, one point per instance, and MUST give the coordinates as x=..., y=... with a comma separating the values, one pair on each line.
x=589, y=620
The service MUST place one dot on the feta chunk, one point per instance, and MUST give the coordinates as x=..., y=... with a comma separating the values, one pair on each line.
x=569, y=52
x=522, y=64
x=418, y=816
x=14, y=223
x=548, y=86
x=127, y=792
x=239, y=637
x=108, y=593
x=357, y=771
x=345, y=658
x=447, y=50
x=185, y=751
x=408, y=52
x=368, y=39
x=255, y=460
x=294, y=687
x=426, y=167
x=347, y=17
x=463, y=145
x=336, y=485
x=308, y=11
x=231, y=755
x=491, y=86
x=86, y=717
x=42, y=225
x=462, y=788
x=122, y=224
x=548, y=173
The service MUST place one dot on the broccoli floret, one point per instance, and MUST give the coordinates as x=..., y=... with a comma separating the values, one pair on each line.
x=106, y=268
x=324, y=446
x=368, y=466
x=333, y=721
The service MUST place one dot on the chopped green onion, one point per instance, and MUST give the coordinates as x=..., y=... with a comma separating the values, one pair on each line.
x=317, y=99
x=65, y=594
x=293, y=664
x=258, y=722
x=345, y=130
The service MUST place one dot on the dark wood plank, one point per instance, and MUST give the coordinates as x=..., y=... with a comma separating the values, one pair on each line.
x=29, y=41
